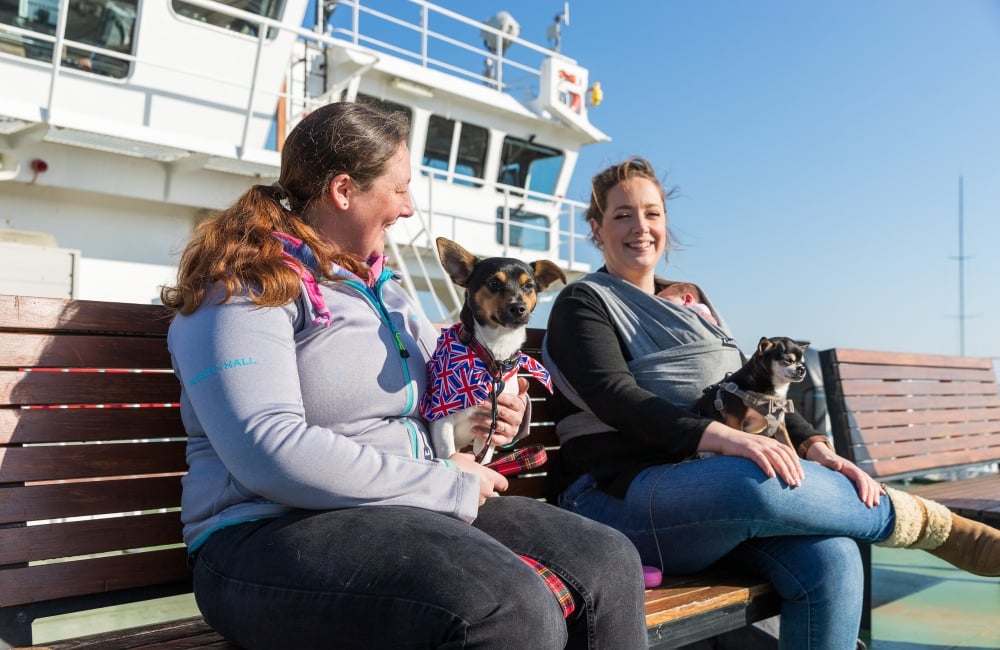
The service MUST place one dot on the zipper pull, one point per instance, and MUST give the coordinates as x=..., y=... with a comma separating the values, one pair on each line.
x=403, y=352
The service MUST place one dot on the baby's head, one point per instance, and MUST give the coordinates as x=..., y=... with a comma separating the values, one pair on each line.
x=688, y=295
x=682, y=293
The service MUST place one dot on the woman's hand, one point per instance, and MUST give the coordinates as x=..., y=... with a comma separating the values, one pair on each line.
x=510, y=414
x=773, y=457
x=491, y=483
x=869, y=490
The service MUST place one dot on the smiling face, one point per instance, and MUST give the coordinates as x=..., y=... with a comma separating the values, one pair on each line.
x=633, y=231
x=356, y=220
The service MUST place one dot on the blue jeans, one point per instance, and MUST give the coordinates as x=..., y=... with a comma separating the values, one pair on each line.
x=688, y=516
x=400, y=577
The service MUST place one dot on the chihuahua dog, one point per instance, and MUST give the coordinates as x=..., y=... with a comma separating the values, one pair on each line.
x=478, y=358
x=755, y=397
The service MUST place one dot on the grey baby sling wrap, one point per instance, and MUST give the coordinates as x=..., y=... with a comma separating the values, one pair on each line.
x=675, y=353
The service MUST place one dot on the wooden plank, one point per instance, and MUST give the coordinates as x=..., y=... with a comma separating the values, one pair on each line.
x=25, y=313
x=43, y=582
x=865, y=387
x=90, y=461
x=848, y=356
x=46, y=388
x=913, y=465
x=917, y=374
x=964, y=400
x=891, y=435
x=173, y=635
x=934, y=449
x=684, y=596
x=90, y=536
x=988, y=418
x=22, y=503
x=18, y=349
x=24, y=426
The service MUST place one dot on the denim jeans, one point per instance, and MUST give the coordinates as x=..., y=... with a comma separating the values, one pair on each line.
x=402, y=577
x=688, y=516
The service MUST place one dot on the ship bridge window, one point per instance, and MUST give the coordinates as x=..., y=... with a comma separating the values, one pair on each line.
x=105, y=24
x=526, y=229
x=266, y=8
x=456, y=148
x=529, y=166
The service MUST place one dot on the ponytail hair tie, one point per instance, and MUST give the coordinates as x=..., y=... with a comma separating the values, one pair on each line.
x=278, y=193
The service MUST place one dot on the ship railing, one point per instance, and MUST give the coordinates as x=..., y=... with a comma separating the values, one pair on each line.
x=412, y=244
x=449, y=47
x=493, y=65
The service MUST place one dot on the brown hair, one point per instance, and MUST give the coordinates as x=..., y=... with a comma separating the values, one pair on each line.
x=236, y=248
x=604, y=181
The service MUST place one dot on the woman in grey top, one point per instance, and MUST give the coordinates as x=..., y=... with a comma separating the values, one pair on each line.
x=314, y=510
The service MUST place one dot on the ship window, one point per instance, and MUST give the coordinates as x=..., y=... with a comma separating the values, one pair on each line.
x=527, y=229
x=266, y=8
x=529, y=166
x=105, y=24
x=469, y=143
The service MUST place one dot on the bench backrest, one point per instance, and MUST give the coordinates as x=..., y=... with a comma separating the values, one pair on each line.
x=91, y=456
x=898, y=415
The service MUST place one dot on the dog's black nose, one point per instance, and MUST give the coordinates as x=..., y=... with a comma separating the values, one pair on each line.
x=518, y=310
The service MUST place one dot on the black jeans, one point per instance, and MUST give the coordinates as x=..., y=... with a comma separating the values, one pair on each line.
x=399, y=577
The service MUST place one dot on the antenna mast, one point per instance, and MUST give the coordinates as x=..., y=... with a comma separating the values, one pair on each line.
x=961, y=270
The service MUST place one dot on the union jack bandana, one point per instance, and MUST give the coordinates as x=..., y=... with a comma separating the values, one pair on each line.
x=459, y=378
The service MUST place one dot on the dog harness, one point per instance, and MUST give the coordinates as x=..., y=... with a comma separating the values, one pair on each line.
x=776, y=407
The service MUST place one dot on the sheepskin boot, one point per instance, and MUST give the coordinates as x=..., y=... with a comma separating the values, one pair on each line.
x=928, y=525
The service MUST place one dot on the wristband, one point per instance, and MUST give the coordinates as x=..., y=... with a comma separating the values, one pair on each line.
x=806, y=444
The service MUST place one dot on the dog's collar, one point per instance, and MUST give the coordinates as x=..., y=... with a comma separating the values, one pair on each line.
x=498, y=369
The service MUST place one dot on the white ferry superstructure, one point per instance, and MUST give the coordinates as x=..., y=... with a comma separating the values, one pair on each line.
x=123, y=123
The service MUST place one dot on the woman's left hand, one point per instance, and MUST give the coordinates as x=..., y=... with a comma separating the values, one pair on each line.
x=869, y=490
x=510, y=414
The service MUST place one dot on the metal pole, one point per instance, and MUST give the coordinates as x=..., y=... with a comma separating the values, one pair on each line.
x=961, y=271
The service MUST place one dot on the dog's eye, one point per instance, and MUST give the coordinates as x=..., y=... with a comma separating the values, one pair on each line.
x=529, y=286
x=494, y=285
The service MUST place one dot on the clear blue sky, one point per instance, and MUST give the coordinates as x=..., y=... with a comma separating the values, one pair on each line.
x=817, y=147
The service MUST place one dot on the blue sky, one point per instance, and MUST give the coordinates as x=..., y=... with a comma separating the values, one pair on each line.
x=816, y=147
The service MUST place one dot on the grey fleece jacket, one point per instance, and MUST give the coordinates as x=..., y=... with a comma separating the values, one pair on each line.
x=285, y=412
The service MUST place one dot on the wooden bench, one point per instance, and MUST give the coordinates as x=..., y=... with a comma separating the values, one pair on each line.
x=902, y=417
x=91, y=456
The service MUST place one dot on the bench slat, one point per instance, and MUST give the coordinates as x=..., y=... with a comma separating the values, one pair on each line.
x=81, y=351
x=47, y=388
x=900, y=434
x=23, y=426
x=917, y=373
x=174, y=635
x=87, y=498
x=854, y=388
x=93, y=576
x=876, y=357
x=27, y=313
x=963, y=400
x=60, y=540
x=90, y=461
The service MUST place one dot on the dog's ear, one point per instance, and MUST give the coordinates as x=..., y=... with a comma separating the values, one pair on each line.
x=457, y=261
x=802, y=344
x=546, y=273
x=764, y=345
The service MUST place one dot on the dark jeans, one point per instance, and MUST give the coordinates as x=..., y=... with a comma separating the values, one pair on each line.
x=398, y=577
